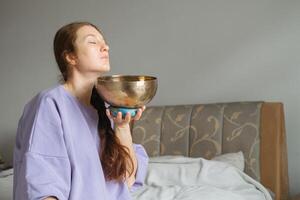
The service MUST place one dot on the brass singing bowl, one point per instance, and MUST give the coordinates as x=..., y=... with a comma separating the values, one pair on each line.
x=128, y=91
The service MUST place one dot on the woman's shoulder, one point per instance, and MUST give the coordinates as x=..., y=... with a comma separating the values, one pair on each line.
x=53, y=93
x=45, y=97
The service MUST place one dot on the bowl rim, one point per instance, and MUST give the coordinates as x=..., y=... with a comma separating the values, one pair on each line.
x=132, y=78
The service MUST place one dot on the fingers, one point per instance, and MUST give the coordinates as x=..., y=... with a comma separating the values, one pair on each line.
x=138, y=114
x=108, y=114
x=121, y=120
x=127, y=117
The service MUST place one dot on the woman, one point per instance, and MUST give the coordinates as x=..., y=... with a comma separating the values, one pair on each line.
x=66, y=147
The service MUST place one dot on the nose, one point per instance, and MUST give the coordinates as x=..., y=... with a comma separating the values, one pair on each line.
x=105, y=47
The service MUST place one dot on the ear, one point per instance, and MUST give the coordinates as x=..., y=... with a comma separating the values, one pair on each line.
x=70, y=58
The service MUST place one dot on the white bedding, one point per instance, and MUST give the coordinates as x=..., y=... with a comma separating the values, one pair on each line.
x=183, y=178
x=6, y=184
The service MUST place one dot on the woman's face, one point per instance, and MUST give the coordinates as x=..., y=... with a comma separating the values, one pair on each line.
x=91, y=51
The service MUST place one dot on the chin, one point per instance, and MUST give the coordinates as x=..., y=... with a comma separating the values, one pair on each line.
x=107, y=68
x=104, y=68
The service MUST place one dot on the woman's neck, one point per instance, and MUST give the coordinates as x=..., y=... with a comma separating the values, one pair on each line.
x=80, y=88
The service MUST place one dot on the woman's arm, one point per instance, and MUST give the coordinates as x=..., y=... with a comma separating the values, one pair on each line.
x=122, y=131
x=40, y=171
x=124, y=135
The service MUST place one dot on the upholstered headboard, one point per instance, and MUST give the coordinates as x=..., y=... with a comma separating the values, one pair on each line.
x=206, y=130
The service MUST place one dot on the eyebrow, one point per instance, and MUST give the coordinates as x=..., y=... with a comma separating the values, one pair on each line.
x=92, y=36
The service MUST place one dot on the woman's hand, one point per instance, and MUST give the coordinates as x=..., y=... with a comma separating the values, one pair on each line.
x=120, y=122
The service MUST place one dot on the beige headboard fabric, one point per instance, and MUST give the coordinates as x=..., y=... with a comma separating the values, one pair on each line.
x=206, y=130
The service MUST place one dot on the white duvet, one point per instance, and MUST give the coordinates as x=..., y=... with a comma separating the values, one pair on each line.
x=6, y=184
x=183, y=178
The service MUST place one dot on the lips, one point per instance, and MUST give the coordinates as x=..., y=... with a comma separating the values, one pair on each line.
x=104, y=57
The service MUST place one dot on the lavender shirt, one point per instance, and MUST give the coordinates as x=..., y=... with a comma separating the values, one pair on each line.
x=57, y=152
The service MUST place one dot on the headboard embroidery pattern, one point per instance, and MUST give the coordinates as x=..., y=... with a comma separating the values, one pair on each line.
x=202, y=130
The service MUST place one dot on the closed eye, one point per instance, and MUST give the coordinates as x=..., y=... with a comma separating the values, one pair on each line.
x=92, y=42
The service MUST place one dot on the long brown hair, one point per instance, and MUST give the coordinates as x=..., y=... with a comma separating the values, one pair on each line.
x=114, y=156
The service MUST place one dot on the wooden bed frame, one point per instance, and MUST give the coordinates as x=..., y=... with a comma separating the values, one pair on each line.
x=273, y=150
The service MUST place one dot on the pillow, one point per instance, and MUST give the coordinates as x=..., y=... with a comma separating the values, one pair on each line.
x=235, y=159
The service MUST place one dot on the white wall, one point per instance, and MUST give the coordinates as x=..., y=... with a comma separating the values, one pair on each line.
x=201, y=51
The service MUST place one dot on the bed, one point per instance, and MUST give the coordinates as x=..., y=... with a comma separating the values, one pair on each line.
x=207, y=130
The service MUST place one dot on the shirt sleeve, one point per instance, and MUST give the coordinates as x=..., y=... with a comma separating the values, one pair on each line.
x=142, y=165
x=43, y=169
